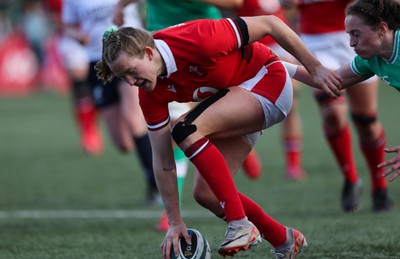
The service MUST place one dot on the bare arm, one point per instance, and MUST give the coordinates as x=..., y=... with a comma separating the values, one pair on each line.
x=72, y=31
x=260, y=26
x=165, y=173
x=345, y=72
x=118, y=17
x=124, y=3
x=225, y=3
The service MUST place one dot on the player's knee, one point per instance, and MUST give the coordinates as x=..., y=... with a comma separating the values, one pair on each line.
x=182, y=130
x=324, y=99
x=334, y=121
x=364, y=120
x=80, y=89
x=185, y=128
x=367, y=125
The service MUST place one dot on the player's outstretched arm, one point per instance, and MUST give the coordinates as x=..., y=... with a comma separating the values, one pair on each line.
x=394, y=162
x=260, y=26
x=165, y=173
x=348, y=76
x=118, y=16
x=300, y=74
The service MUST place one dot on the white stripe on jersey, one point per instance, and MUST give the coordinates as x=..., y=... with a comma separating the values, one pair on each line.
x=354, y=68
x=159, y=125
x=239, y=40
x=395, y=47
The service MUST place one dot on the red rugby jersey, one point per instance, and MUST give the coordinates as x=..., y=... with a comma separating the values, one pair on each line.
x=322, y=16
x=262, y=7
x=202, y=57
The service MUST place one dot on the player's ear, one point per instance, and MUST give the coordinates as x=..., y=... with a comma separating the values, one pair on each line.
x=382, y=29
x=149, y=53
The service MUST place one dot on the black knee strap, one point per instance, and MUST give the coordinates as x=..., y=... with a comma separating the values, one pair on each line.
x=324, y=98
x=363, y=119
x=184, y=128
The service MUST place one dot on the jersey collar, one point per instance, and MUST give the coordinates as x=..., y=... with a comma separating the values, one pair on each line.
x=168, y=57
x=396, y=45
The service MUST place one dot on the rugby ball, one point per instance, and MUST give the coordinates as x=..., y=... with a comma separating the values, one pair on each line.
x=199, y=249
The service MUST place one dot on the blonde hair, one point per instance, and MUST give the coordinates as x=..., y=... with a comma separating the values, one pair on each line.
x=132, y=41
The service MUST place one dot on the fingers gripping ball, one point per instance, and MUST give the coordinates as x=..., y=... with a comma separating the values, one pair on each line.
x=199, y=249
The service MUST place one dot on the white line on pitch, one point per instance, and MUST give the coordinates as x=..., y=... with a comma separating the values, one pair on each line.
x=57, y=214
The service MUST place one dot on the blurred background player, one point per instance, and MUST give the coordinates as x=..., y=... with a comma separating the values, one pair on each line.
x=34, y=22
x=162, y=14
x=321, y=25
x=292, y=129
x=117, y=102
x=76, y=63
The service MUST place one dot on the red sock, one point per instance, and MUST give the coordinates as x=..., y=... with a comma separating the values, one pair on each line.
x=375, y=154
x=270, y=229
x=252, y=165
x=341, y=146
x=212, y=166
x=292, y=148
x=85, y=114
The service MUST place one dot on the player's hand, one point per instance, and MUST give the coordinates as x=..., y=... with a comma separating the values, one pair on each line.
x=118, y=17
x=328, y=80
x=172, y=238
x=394, y=170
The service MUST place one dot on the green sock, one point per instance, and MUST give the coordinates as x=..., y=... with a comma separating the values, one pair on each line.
x=181, y=170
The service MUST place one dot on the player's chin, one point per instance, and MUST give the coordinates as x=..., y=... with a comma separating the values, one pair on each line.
x=364, y=55
x=148, y=86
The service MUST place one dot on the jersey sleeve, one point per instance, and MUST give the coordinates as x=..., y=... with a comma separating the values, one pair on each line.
x=155, y=111
x=205, y=38
x=361, y=67
x=241, y=32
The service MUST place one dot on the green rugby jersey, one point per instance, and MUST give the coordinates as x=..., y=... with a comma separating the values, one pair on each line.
x=387, y=70
x=165, y=13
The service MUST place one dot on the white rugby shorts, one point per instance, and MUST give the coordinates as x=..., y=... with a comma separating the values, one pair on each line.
x=73, y=54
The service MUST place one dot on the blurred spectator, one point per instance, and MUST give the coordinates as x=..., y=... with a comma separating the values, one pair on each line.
x=18, y=63
x=28, y=60
x=5, y=24
x=35, y=25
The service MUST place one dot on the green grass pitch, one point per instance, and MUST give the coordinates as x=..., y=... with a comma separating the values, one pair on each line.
x=56, y=202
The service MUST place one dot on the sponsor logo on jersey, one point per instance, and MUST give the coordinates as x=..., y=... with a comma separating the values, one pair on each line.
x=385, y=79
x=203, y=92
x=171, y=88
x=196, y=70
